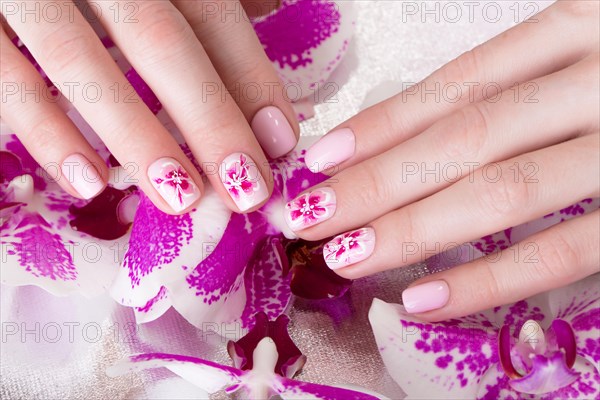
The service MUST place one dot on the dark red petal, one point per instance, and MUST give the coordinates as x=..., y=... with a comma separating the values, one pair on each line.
x=504, y=347
x=290, y=358
x=311, y=277
x=10, y=166
x=100, y=217
x=565, y=338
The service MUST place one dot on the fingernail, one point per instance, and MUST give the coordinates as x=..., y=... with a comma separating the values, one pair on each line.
x=273, y=131
x=426, y=297
x=310, y=209
x=243, y=181
x=349, y=248
x=82, y=175
x=173, y=183
x=331, y=150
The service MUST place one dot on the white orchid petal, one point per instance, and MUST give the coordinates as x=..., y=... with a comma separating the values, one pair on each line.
x=207, y=375
x=432, y=360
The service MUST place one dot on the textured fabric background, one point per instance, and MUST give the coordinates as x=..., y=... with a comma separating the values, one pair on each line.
x=58, y=348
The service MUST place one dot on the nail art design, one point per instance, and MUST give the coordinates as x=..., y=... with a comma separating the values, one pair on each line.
x=243, y=181
x=310, y=208
x=173, y=183
x=349, y=248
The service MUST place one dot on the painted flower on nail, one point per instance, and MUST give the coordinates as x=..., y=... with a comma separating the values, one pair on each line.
x=238, y=178
x=176, y=180
x=349, y=248
x=310, y=208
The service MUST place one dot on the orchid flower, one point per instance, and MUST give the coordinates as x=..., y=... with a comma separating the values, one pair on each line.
x=500, y=353
x=265, y=361
x=47, y=238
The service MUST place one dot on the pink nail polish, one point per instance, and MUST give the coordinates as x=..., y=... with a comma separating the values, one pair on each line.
x=349, y=248
x=426, y=297
x=310, y=208
x=173, y=183
x=273, y=131
x=82, y=175
x=331, y=150
x=243, y=181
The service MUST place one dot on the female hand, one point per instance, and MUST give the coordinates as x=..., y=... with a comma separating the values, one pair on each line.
x=191, y=53
x=415, y=171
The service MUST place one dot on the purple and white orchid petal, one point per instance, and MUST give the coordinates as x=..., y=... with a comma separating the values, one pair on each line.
x=301, y=57
x=578, y=304
x=295, y=390
x=495, y=385
x=441, y=360
x=214, y=288
x=207, y=375
x=267, y=287
x=547, y=375
x=156, y=306
x=163, y=248
x=39, y=253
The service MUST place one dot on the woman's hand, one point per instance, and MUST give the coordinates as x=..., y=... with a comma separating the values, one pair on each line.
x=191, y=53
x=504, y=134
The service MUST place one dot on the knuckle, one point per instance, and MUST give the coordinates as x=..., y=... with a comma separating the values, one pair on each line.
x=490, y=285
x=557, y=259
x=373, y=187
x=158, y=27
x=504, y=189
x=10, y=72
x=469, y=127
x=46, y=132
x=464, y=68
x=579, y=9
x=68, y=47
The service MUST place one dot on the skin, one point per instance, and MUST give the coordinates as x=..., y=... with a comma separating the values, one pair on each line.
x=555, y=138
x=162, y=40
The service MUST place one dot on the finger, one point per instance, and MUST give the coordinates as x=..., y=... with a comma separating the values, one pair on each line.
x=50, y=137
x=517, y=55
x=457, y=145
x=259, y=8
x=74, y=58
x=558, y=256
x=484, y=203
x=239, y=58
x=167, y=54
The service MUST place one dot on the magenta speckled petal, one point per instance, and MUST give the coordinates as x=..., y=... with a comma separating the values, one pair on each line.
x=40, y=246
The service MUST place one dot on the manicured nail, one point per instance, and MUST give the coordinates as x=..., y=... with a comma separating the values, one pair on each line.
x=349, y=248
x=331, y=150
x=173, y=183
x=426, y=297
x=243, y=181
x=82, y=175
x=273, y=131
x=310, y=209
